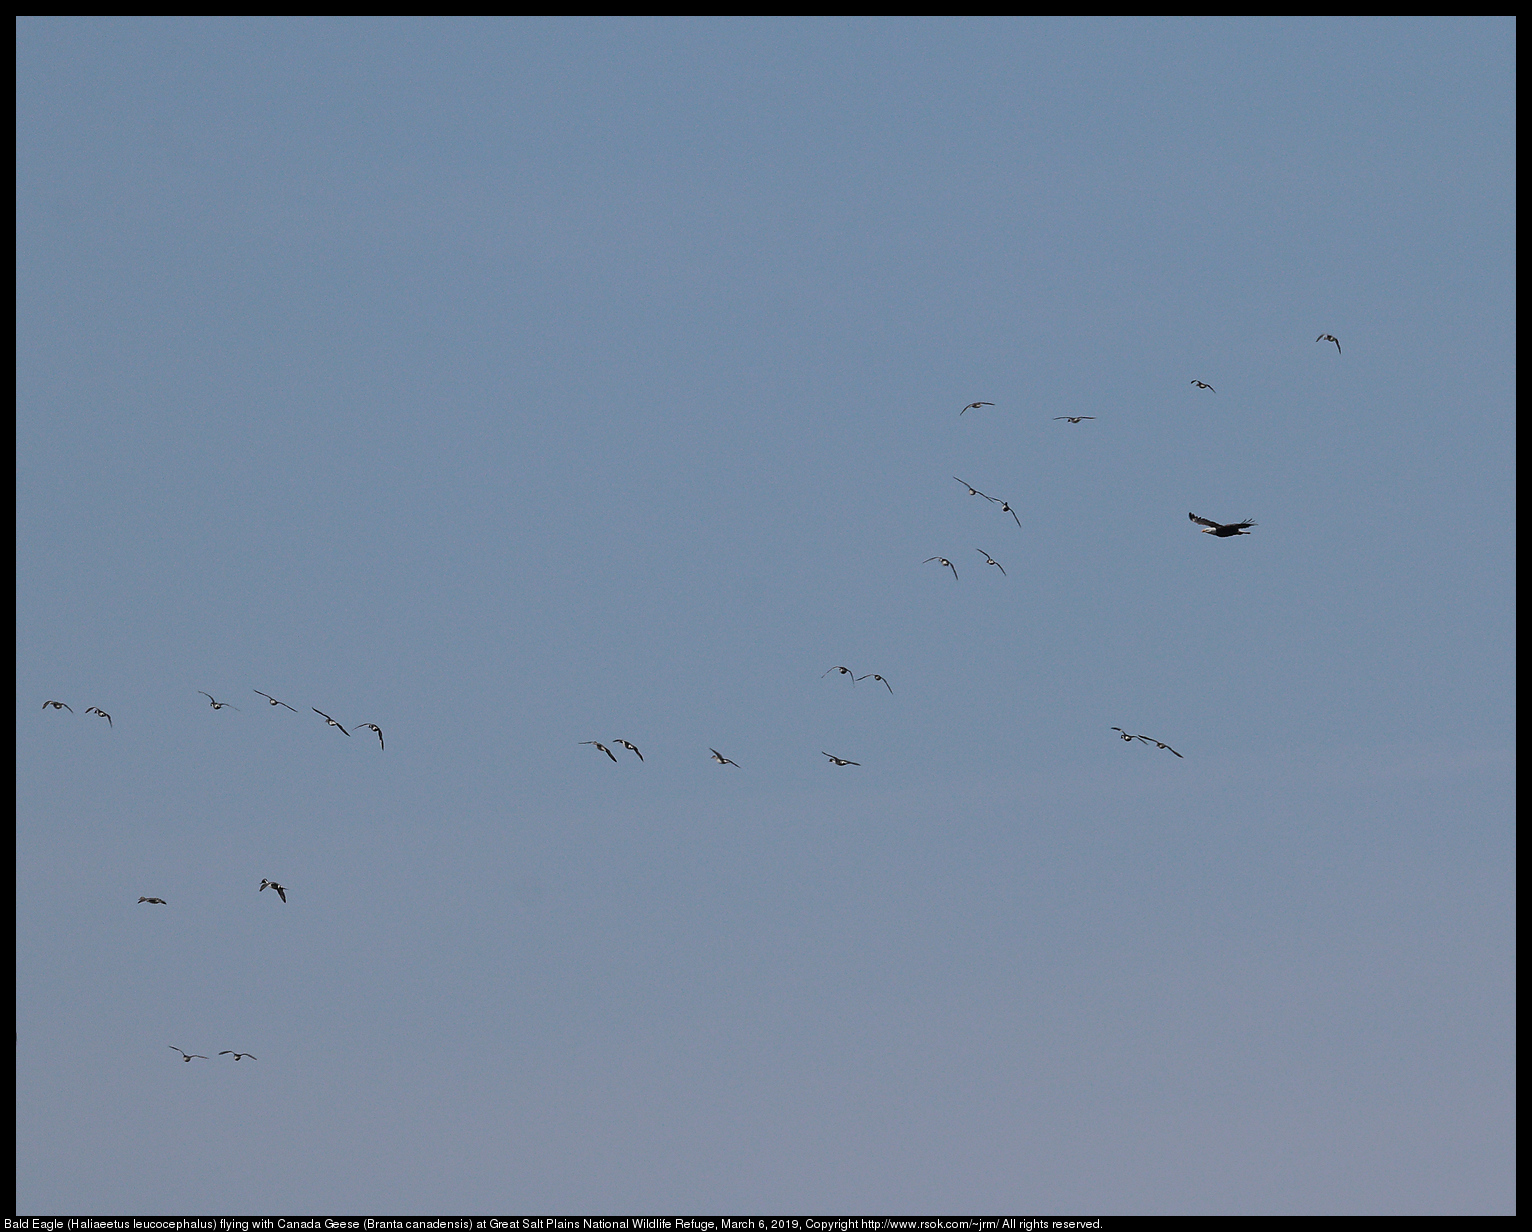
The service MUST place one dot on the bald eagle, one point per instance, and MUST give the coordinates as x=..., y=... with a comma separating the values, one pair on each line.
x=1221, y=532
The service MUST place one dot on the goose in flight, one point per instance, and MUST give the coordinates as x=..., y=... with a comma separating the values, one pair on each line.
x=972, y=491
x=1128, y=736
x=329, y=720
x=1204, y=385
x=991, y=560
x=1005, y=507
x=1073, y=418
x=273, y=701
x=378, y=731
x=722, y=760
x=844, y=671
x=875, y=676
x=973, y=406
x=944, y=562
x=281, y=890
x=1159, y=743
x=59, y=706
x=840, y=761
x=1221, y=531
x=217, y=705
x=632, y=748
x=102, y=713
x=601, y=748
x=228, y=1052
x=187, y=1056
x=1330, y=338
x=160, y=901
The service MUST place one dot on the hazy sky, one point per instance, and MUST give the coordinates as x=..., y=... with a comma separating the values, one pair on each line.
x=516, y=383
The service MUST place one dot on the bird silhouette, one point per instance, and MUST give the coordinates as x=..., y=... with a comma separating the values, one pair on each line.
x=160, y=901
x=991, y=560
x=273, y=701
x=840, y=761
x=844, y=671
x=1203, y=385
x=228, y=1052
x=281, y=890
x=722, y=760
x=601, y=747
x=944, y=562
x=1221, y=531
x=875, y=676
x=1073, y=418
x=375, y=728
x=217, y=705
x=59, y=706
x=329, y=720
x=187, y=1056
x=972, y=491
x=632, y=748
x=102, y=713
x=973, y=406
x=1330, y=338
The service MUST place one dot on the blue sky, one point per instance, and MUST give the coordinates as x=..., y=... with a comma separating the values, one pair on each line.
x=517, y=383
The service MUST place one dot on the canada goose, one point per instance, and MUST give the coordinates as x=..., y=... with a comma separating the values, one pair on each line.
x=281, y=890
x=329, y=720
x=216, y=704
x=944, y=562
x=973, y=406
x=632, y=748
x=875, y=676
x=187, y=1056
x=379, y=732
x=59, y=706
x=601, y=748
x=227, y=1052
x=1221, y=532
x=1005, y=507
x=972, y=491
x=1073, y=418
x=840, y=761
x=991, y=560
x=102, y=713
x=844, y=671
x=160, y=901
x=722, y=760
x=1330, y=338
x=273, y=701
x=1203, y=385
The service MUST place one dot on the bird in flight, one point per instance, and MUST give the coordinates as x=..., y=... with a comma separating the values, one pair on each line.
x=989, y=559
x=1203, y=385
x=1005, y=507
x=972, y=491
x=329, y=720
x=601, y=748
x=273, y=701
x=102, y=713
x=217, y=705
x=1221, y=532
x=59, y=706
x=944, y=562
x=379, y=731
x=1330, y=338
x=973, y=406
x=722, y=760
x=160, y=901
x=187, y=1056
x=840, y=761
x=632, y=748
x=1146, y=739
x=874, y=676
x=1073, y=418
x=844, y=671
x=281, y=890
x=228, y=1052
